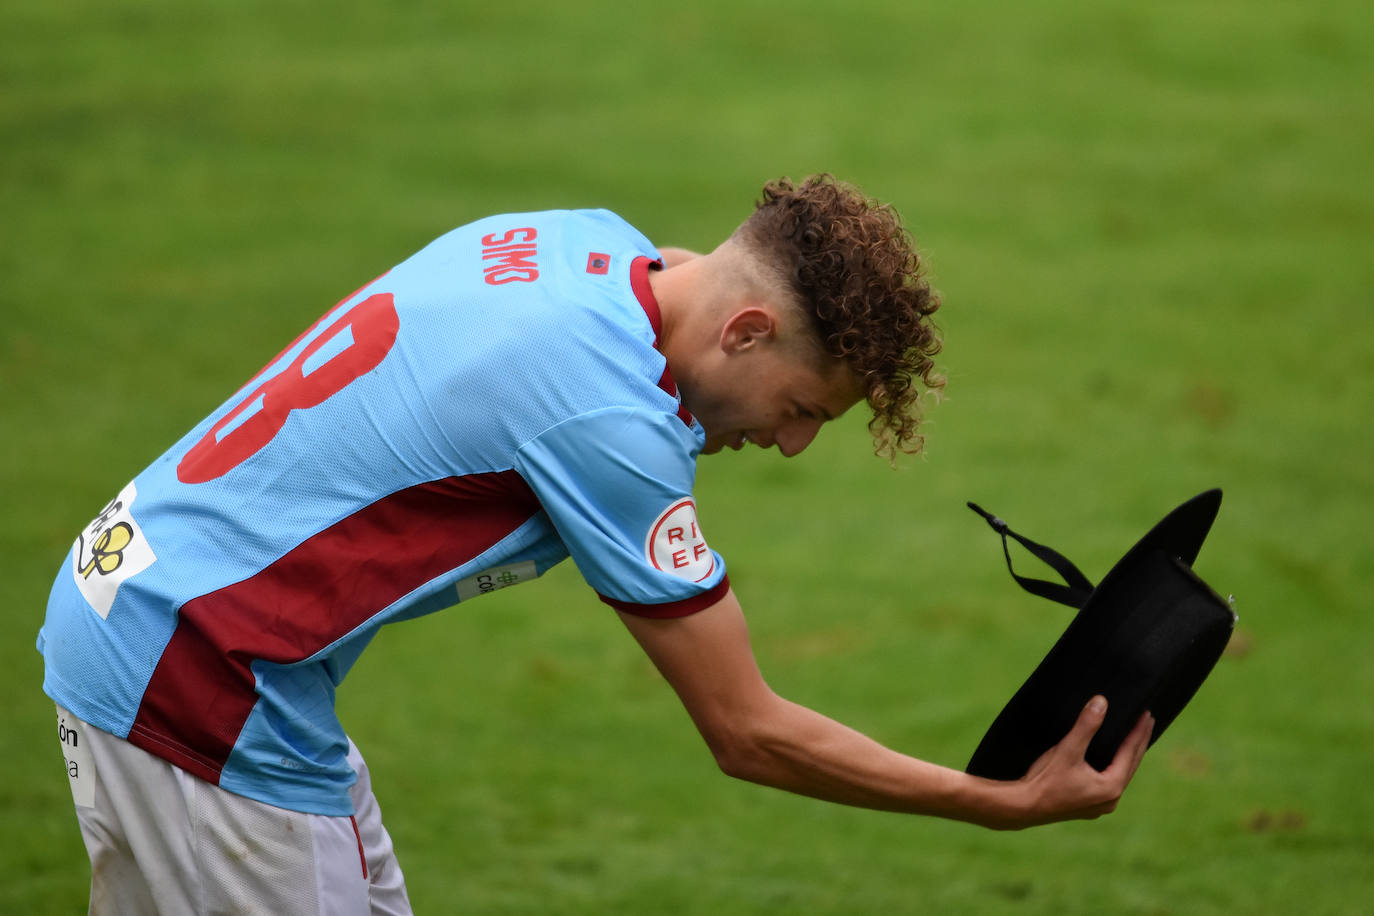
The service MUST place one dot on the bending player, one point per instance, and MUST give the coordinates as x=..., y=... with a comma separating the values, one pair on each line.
x=526, y=388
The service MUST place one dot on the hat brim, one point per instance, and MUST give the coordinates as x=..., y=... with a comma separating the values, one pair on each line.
x=1146, y=639
x=1180, y=533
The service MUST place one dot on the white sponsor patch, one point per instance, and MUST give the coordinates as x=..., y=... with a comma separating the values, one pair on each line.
x=109, y=551
x=498, y=577
x=76, y=754
x=676, y=545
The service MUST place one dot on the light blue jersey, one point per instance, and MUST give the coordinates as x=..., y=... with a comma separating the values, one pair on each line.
x=488, y=407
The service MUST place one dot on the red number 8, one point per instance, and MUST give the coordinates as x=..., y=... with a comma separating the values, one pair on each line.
x=353, y=345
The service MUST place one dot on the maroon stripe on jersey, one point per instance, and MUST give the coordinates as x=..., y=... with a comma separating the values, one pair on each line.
x=644, y=292
x=202, y=690
x=684, y=608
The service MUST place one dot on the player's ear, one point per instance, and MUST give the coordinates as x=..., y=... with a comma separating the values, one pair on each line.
x=748, y=328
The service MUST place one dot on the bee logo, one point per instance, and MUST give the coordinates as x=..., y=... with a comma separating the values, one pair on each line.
x=109, y=551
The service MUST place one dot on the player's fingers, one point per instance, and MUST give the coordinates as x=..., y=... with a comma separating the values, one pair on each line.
x=1089, y=721
x=1132, y=750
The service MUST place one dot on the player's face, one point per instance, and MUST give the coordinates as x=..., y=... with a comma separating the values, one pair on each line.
x=771, y=398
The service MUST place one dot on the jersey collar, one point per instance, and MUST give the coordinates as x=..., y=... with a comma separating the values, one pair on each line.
x=644, y=292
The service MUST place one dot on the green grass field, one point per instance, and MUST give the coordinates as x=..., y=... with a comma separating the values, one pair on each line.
x=1152, y=227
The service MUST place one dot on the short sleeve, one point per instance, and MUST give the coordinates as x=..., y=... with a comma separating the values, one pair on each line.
x=617, y=485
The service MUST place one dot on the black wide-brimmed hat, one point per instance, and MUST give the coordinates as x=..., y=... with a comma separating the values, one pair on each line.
x=1145, y=637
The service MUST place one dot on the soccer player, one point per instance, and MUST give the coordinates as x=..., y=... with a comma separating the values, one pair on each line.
x=526, y=388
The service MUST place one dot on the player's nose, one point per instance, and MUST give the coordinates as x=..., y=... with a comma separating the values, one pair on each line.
x=793, y=438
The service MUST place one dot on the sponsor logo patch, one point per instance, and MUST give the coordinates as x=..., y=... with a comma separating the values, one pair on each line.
x=598, y=263
x=498, y=577
x=109, y=551
x=675, y=544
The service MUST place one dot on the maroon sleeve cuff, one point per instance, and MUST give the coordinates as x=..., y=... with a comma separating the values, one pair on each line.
x=684, y=608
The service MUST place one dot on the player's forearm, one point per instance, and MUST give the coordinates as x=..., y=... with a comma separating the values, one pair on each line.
x=758, y=736
x=796, y=749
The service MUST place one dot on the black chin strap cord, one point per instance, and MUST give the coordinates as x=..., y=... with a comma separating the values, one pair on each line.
x=1078, y=586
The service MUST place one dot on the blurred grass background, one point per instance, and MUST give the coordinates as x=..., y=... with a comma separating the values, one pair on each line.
x=1152, y=226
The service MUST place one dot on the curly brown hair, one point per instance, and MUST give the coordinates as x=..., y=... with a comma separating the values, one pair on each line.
x=852, y=265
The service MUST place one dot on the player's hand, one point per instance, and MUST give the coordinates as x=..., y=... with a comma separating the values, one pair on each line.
x=1062, y=785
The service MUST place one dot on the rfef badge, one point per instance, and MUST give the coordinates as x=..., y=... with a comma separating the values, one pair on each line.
x=675, y=544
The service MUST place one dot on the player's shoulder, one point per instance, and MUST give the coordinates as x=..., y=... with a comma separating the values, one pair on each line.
x=566, y=227
x=610, y=224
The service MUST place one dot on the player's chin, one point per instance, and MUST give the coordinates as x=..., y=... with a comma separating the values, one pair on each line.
x=718, y=443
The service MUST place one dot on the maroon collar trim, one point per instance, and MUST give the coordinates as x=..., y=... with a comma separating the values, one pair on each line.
x=644, y=292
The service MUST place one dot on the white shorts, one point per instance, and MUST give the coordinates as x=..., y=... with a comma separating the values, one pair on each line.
x=162, y=841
